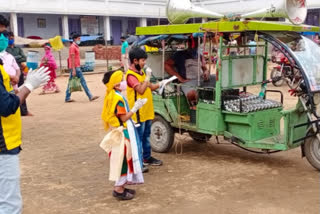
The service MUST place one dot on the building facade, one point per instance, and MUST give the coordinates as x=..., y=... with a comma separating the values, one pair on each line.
x=110, y=18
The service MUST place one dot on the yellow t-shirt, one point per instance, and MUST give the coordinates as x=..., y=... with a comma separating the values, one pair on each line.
x=11, y=125
x=147, y=111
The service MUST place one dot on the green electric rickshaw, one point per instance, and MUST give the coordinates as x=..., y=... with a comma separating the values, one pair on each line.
x=225, y=107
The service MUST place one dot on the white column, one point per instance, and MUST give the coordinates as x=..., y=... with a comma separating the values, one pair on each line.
x=65, y=27
x=107, y=28
x=143, y=22
x=204, y=20
x=14, y=23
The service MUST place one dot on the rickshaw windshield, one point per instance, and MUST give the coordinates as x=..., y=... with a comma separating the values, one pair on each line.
x=307, y=53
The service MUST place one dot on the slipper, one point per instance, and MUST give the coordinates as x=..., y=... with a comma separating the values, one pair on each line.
x=69, y=101
x=29, y=114
x=94, y=98
x=126, y=195
x=131, y=191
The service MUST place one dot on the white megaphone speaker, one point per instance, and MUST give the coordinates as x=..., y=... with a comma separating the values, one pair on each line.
x=180, y=11
x=294, y=10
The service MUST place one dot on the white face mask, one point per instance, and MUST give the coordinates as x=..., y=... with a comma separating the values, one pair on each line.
x=2, y=53
x=123, y=85
x=78, y=42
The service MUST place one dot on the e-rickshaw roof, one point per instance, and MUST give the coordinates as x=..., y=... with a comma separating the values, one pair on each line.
x=225, y=26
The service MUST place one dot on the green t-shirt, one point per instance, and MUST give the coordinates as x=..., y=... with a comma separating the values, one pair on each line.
x=124, y=46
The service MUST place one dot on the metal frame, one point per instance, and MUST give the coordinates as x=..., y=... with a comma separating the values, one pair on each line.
x=225, y=26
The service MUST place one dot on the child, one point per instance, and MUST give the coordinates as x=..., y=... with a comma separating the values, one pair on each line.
x=139, y=86
x=116, y=114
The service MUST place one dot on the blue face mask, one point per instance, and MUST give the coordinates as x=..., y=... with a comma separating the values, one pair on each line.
x=11, y=41
x=3, y=43
x=78, y=42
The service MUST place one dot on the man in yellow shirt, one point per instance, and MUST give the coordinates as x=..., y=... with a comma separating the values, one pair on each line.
x=10, y=129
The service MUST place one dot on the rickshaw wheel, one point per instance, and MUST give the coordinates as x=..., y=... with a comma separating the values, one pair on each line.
x=312, y=151
x=162, y=135
x=200, y=138
x=276, y=73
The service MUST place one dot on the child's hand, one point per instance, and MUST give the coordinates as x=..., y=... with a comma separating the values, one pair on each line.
x=149, y=71
x=148, y=74
x=14, y=80
x=138, y=104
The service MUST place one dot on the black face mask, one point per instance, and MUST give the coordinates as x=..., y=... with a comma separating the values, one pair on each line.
x=138, y=67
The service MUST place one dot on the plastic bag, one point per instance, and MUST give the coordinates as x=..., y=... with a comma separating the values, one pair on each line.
x=74, y=84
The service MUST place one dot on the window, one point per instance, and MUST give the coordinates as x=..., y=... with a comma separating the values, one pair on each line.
x=42, y=23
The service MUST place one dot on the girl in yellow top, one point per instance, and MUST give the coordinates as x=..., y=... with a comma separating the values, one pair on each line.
x=116, y=114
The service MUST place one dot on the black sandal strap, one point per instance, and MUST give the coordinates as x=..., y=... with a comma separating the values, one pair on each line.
x=131, y=191
x=123, y=196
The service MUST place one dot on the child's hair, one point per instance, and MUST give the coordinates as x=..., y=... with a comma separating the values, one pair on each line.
x=4, y=21
x=10, y=34
x=75, y=36
x=107, y=76
x=137, y=53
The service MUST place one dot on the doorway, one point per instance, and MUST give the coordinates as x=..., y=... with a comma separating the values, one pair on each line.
x=116, y=26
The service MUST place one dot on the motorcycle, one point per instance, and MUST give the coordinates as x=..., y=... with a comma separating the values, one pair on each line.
x=284, y=69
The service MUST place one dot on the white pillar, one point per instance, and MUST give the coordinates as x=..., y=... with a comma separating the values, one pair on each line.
x=65, y=27
x=143, y=22
x=107, y=28
x=204, y=20
x=14, y=24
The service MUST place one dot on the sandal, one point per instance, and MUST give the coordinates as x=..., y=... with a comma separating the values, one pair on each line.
x=131, y=191
x=126, y=195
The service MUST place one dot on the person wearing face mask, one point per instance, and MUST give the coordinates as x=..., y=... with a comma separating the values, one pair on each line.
x=49, y=62
x=9, y=62
x=75, y=70
x=10, y=130
x=15, y=51
x=125, y=159
x=139, y=87
x=21, y=59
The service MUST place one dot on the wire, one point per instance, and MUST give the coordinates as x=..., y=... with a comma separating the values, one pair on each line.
x=179, y=141
x=256, y=152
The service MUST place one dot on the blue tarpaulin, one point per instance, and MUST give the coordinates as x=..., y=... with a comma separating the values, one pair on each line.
x=310, y=33
x=161, y=37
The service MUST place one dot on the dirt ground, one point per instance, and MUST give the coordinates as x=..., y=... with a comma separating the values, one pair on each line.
x=65, y=171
